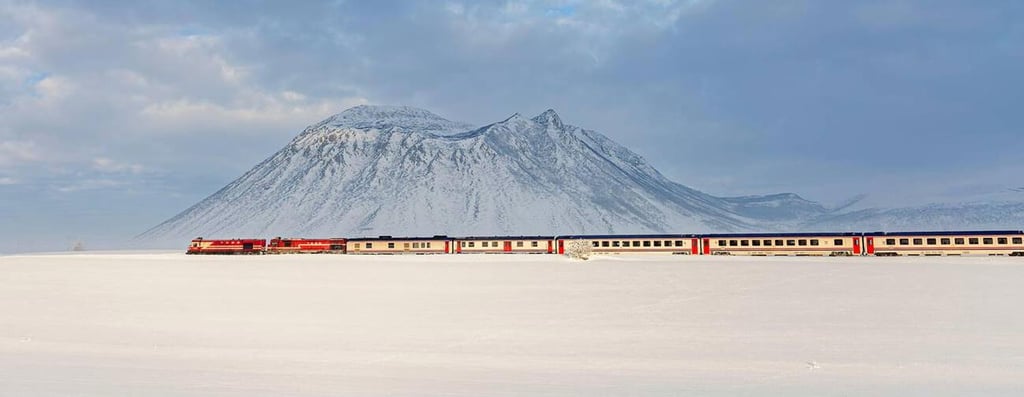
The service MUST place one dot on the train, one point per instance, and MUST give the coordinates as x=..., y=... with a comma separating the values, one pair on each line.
x=835, y=244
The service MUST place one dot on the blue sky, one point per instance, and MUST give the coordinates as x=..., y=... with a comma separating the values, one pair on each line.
x=115, y=116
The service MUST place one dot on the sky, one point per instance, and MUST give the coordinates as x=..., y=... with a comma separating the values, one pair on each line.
x=116, y=116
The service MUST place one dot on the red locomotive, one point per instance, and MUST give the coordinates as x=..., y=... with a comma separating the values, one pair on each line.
x=306, y=246
x=249, y=246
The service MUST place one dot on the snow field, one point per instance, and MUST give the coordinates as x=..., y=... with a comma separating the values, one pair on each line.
x=325, y=325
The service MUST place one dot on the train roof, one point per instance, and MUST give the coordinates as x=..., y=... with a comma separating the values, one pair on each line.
x=953, y=233
x=753, y=235
x=505, y=238
x=392, y=238
x=612, y=236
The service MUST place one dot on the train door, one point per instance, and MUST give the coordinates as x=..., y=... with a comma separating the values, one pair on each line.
x=508, y=246
x=694, y=247
x=707, y=246
x=870, y=245
x=447, y=247
x=550, y=247
x=856, y=245
x=561, y=247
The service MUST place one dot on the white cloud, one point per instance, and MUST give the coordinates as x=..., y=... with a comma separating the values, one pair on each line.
x=4, y=181
x=91, y=184
x=107, y=165
x=18, y=152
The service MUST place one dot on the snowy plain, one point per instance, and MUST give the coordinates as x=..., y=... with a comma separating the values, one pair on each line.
x=167, y=324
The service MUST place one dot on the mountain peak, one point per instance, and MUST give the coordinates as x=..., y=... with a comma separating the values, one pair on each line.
x=394, y=117
x=549, y=117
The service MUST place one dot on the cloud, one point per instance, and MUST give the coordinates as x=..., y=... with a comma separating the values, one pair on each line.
x=13, y=153
x=5, y=181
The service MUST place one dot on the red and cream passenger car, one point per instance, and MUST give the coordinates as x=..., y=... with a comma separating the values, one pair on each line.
x=678, y=244
x=227, y=247
x=504, y=245
x=399, y=245
x=783, y=244
x=1005, y=242
x=280, y=245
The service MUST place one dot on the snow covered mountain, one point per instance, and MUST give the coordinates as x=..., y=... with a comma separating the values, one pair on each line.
x=379, y=170
x=398, y=170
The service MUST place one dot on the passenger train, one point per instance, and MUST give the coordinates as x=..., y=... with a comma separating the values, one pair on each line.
x=1009, y=243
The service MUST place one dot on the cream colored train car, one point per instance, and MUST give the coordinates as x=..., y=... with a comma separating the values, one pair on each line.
x=504, y=245
x=1009, y=242
x=399, y=245
x=783, y=244
x=677, y=244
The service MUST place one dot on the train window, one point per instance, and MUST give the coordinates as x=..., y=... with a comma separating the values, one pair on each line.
x=657, y=243
x=533, y=244
x=987, y=240
x=744, y=242
x=837, y=242
x=679, y=243
x=369, y=245
x=767, y=243
x=890, y=241
x=814, y=242
x=357, y=245
x=1002, y=240
x=721, y=243
x=519, y=244
x=595, y=244
x=604, y=243
x=287, y=243
x=958, y=241
x=733, y=243
x=668, y=243
x=1018, y=240
x=462, y=244
x=790, y=243
x=615, y=243
x=391, y=245
x=472, y=244
x=904, y=241
x=931, y=241
x=415, y=245
x=973, y=240
x=778, y=243
x=944, y=241
x=428, y=244
x=756, y=243
x=918, y=241
x=406, y=245
x=801, y=242
x=647, y=243
x=636, y=243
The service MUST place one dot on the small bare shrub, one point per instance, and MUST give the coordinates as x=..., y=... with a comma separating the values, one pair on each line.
x=578, y=249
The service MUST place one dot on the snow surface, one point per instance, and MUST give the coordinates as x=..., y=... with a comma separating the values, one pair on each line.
x=162, y=324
